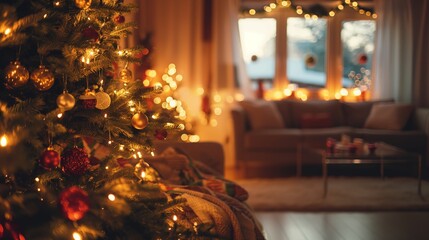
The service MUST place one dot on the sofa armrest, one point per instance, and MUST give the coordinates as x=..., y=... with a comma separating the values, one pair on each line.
x=240, y=127
x=208, y=153
x=422, y=119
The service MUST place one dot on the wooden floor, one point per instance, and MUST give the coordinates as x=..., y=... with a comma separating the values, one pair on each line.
x=345, y=225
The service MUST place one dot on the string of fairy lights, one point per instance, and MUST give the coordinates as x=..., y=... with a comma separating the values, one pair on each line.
x=312, y=12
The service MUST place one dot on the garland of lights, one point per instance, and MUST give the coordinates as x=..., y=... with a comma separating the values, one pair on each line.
x=314, y=11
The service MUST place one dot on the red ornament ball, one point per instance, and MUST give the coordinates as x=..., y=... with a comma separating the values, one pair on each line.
x=88, y=100
x=50, y=159
x=74, y=203
x=74, y=161
x=161, y=134
x=310, y=61
x=118, y=19
x=362, y=59
x=90, y=33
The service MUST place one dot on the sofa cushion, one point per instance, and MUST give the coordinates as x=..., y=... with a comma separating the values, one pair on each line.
x=316, y=120
x=331, y=108
x=273, y=139
x=388, y=116
x=262, y=114
x=285, y=109
x=356, y=113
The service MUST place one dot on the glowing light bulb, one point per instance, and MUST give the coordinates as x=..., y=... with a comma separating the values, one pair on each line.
x=143, y=174
x=60, y=115
x=174, y=218
x=37, y=179
x=252, y=11
x=357, y=92
x=287, y=92
x=111, y=197
x=77, y=236
x=344, y=92
x=7, y=31
x=3, y=140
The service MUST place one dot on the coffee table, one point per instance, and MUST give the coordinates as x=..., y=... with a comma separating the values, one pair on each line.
x=384, y=154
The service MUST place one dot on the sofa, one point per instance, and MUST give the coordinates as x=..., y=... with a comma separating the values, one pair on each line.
x=194, y=171
x=274, y=134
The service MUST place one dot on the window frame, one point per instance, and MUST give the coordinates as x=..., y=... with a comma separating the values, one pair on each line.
x=334, y=57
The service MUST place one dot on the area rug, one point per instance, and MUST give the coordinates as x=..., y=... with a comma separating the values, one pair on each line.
x=344, y=194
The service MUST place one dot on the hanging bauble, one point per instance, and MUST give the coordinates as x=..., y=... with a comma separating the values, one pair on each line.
x=362, y=59
x=103, y=100
x=161, y=134
x=74, y=161
x=205, y=105
x=42, y=78
x=145, y=172
x=310, y=61
x=49, y=159
x=83, y=4
x=118, y=19
x=139, y=121
x=74, y=203
x=126, y=75
x=66, y=101
x=254, y=58
x=90, y=33
x=16, y=74
x=88, y=100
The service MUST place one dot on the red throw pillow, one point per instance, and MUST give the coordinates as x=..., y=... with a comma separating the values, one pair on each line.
x=316, y=120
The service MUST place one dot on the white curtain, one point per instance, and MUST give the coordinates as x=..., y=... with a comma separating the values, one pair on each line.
x=393, y=58
x=421, y=52
x=177, y=28
x=207, y=60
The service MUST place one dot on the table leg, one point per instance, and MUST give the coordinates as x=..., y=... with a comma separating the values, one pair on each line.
x=299, y=160
x=419, y=174
x=325, y=176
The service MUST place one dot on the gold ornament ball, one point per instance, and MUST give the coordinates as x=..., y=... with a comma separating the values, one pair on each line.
x=42, y=78
x=139, y=121
x=83, y=4
x=103, y=100
x=126, y=75
x=66, y=101
x=16, y=74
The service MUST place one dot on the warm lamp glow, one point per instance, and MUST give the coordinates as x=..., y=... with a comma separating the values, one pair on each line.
x=252, y=11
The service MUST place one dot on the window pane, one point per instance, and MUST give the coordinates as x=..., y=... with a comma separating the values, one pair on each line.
x=258, y=44
x=358, y=46
x=306, y=51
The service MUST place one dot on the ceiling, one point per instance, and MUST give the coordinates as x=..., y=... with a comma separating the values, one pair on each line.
x=246, y=4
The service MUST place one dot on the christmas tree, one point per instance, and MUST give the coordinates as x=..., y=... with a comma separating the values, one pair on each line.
x=74, y=126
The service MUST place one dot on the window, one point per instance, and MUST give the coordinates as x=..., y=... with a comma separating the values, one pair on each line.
x=258, y=37
x=309, y=51
x=357, y=39
x=306, y=51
